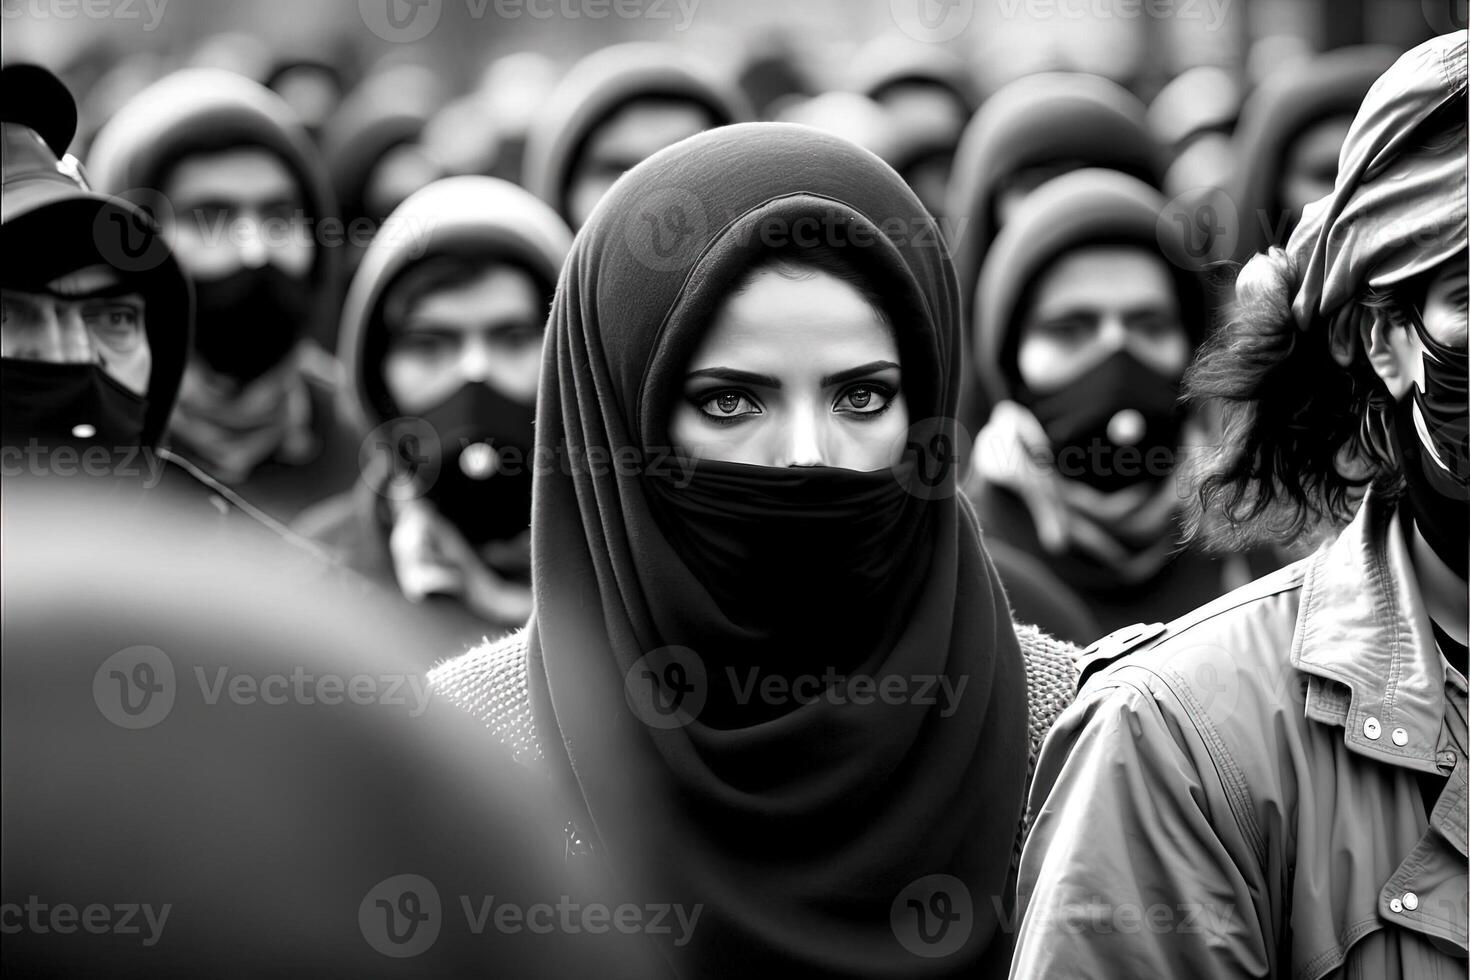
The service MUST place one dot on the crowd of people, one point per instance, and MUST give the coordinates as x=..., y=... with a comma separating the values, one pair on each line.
x=925, y=532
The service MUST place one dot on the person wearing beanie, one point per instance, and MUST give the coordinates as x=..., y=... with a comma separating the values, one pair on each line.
x=1029, y=131
x=441, y=338
x=243, y=200
x=1086, y=316
x=616, y=107
x=1275, y=783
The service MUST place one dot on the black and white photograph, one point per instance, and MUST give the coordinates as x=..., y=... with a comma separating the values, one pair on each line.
x=734, y=489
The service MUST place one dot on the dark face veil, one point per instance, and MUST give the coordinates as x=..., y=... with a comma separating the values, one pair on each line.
x=847, y=831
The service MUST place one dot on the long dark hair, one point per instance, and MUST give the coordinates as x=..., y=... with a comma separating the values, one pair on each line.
x=1302, y=433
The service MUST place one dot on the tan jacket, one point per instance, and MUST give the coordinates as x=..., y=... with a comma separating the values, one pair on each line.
x=1241, y=797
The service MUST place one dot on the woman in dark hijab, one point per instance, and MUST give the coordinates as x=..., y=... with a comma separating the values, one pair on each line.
x=1290, y=131
x=613, y=109
x=1029, y=131
x=747, y=589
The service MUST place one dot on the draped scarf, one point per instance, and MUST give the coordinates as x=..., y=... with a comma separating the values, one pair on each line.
x=848, y=834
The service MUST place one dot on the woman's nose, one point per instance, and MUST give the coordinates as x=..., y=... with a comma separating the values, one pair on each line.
x=804, y=440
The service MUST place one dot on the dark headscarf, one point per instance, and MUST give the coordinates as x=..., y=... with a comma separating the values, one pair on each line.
x=1285, y=105
x=596, y=89
x=1041, y=120
x=797, y=833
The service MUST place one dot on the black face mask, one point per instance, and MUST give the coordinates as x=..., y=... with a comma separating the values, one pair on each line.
x=250, y=320
x=485, y=454
x=792, y=555
x=76, y=405
x=1116, y=426
x=1438, y=489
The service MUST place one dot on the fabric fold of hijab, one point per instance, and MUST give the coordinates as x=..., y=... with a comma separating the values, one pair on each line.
x=1398, y=207
x=795, y=831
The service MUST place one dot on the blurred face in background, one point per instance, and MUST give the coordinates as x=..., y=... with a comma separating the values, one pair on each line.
x=86, y=317
x=1094, y=302
x=1311, y=163
x=929, y=116
x=487, y=329
x=1016, y=187
x=628, y=137
x=797, y=369
x=237, y=209
x=240, y=230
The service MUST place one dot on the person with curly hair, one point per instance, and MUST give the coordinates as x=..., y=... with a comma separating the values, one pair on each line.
x=1275, y=784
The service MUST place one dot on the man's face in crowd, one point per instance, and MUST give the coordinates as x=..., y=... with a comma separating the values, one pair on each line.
x=488, y=329
x=632, y=135
x=84, y=317
x=237, y=209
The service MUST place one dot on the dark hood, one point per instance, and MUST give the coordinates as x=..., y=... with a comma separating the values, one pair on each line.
x=600, y=85
x=1086, y=207
x=201, y=110
x=448, y=216
x=52, y=223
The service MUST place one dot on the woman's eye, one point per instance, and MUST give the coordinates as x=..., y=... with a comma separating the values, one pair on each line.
x=728, y=405
x=863, y=400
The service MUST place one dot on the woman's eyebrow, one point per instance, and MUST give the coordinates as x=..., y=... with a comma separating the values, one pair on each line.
x=861, y=370
x=741, y=377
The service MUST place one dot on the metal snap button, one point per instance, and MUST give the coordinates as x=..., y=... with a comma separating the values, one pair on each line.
x=1394, y=905
x=1400, y=737
x=1411, y=901
x=1372, y=728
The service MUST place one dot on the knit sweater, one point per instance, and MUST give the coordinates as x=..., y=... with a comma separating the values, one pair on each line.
x=490, y=683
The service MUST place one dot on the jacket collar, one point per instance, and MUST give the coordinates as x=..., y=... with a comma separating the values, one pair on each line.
x=1363, y=625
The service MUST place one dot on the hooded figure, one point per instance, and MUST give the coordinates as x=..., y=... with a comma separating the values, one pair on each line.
x=135, y=306
x=1085, y=319
x=374, y=158
x=825, y=833
x=97, y=326
x=1287, y=766
x=615, y=107
x=930, y=95
x=462, y=274
x=1286, y=145
x=1026, y=133
x=244, y=200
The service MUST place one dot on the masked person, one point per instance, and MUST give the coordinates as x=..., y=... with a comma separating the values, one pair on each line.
x=1085, y=319
x=737, y=509
x=1286, y=146
x=96, y=325
x=241, y=197
x=442, y=338
x=1031, y=130
x=616, y=107
x=1286, y=766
